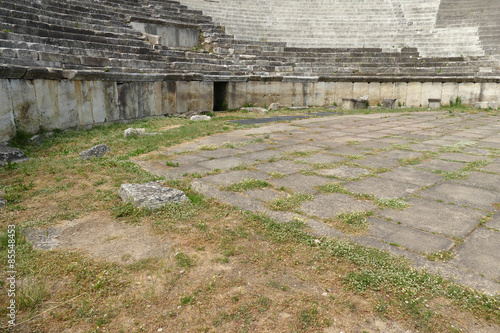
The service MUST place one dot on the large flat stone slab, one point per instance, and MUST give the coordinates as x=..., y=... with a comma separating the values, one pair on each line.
x=232, y=198
x=323, y=158
x=408, y=237
x=160, y=169
x=484, y=180
x=440, y=165
x=150, y=195
x=438, y=217
x=378, y=161
x=460, y=157
x=463, y=195
x=494, y=223
x=382, y=188
x=223, y=163
x=282, y=166
x=481, y=253
x=232, y=177
x=220, y=153
x=327, y=206
x=343, y=172
x=263, y=155
x=412, y=176
x=300, y=183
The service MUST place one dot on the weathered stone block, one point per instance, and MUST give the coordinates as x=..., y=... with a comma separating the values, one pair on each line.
x=134, y=131
x=150, y=195
x=200, y=118
x=7, y=125
x=434, y=103
x=348, y=103
x=389, y=103
x=9, y=154
x=96, y=151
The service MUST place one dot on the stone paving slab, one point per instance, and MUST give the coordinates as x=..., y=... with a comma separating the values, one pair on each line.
x=263, y=155
x=223, y=163
x=401, y=154
x=264, y=195
x=494, y=223
x=412, y=176
x=282, y=166
x=493, y=167
x=489, y=144
x=327, y=206
x=189, y=159
x=343, y=172
x=220, y=153
x=378, y=162
x=481, y=253
x=463, y=195
x=323, y=158
x=232, y=177
x=382, y=188
x=438, y=217
x=409, y=238
x=484, y=180
x=440, y=165
x=160, y=169
x=300, y=183
x=460, y=157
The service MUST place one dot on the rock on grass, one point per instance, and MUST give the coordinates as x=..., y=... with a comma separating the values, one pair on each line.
x=150, y=195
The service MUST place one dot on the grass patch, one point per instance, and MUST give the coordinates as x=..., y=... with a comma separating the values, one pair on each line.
x=339, y=188
x=351, y=222
x=457, y=147
x=247, y=185
x=394, y=203
x=443, y=256
x=290, y=202
x=243, y=166
x=277, y=175
x=208, y=147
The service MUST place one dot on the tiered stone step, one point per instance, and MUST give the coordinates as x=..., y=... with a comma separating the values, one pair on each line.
x=390, y=25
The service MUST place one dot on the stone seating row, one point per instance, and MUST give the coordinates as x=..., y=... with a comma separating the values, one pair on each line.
x=118, y=48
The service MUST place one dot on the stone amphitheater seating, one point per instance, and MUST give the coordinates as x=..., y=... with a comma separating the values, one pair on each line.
x=180, y=48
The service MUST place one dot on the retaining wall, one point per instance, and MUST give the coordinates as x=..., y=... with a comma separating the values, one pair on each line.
x=32, y=105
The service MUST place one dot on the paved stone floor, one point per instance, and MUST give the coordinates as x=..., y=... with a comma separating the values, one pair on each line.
x=444, y=168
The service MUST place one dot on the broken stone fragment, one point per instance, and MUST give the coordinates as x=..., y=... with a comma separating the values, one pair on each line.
x=150, y=195
x=9, y=154
x=200, y=118
x=96, y=151
x=274, y=106
x=389, y=103
x=134, y=131
x=255, y=109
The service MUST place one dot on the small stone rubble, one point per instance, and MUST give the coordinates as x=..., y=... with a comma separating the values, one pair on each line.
x=96, y=151
x=200, y=118
x=134, y=132
x=9, y=154
x=150, y=195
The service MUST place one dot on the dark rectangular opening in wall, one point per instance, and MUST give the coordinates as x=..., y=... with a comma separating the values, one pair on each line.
x=220, y=96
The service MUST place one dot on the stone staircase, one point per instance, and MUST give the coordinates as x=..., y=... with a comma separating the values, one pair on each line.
x=97, y=38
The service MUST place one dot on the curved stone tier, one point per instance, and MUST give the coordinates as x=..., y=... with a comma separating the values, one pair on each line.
x=439, y=28
x=158, y=37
